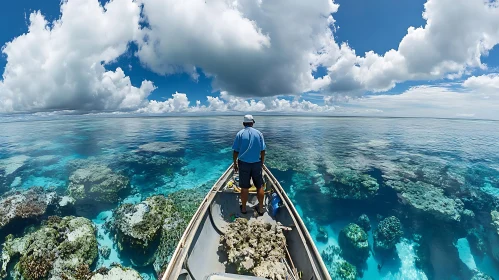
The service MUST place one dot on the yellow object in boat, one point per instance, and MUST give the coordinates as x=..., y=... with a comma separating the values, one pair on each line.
x=252, y=189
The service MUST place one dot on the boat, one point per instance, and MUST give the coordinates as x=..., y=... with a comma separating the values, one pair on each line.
x=197, y=255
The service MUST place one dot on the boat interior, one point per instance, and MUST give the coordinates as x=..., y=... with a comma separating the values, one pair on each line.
x=204, y=258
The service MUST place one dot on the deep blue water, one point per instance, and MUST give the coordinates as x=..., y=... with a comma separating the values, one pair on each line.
x=460, y=157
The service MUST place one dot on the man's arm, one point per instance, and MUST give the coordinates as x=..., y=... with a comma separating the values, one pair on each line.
x=234, y=158
x=235, y=154
x=264, y=147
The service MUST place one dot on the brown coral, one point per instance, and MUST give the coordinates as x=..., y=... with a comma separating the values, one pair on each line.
x=103, y=270
x=32, y=203
x=27, y=210
x=82, y=272
x=36, y=266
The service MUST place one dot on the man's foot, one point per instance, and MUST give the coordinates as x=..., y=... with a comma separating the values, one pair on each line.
x=243, y=212
x=260, y=212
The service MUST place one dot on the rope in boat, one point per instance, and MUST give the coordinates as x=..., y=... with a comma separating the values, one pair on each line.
x=290, y=271
x=295, y=271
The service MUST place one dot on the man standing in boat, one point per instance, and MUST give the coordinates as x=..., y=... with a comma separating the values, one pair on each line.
x=249, y=155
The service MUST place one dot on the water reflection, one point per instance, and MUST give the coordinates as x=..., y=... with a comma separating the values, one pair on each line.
x=334, y=169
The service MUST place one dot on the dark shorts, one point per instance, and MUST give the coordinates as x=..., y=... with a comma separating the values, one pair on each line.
x=250, y=170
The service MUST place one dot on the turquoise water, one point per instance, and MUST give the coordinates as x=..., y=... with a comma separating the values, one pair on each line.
x=316, y=160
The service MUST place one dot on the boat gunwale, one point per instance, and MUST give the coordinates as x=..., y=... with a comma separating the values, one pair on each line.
x=187, y=237
x=179, y=253
x=301, y=224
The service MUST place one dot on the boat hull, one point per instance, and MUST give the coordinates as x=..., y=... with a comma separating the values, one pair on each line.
x=198, y=255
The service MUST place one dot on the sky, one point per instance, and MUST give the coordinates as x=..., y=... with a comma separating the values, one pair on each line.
x=408, y=58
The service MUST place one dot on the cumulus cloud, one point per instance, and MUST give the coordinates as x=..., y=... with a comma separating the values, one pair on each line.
x=227, y=103
x=467, y=99
x=61, y=65
x=485, y=84
x=250, y=48
x=179, y=103
x=476, y=97
x=456, y=35
x=271, y=47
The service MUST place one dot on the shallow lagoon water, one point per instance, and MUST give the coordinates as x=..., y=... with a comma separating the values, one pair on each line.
x=310, y=156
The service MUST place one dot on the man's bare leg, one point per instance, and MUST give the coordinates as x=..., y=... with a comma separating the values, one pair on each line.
x=244, y=198
x=261, y=195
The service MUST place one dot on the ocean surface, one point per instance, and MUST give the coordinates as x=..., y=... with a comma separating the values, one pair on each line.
x=317, y=160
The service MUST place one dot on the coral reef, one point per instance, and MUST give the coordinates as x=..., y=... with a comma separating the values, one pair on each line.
x=105, y=252
x=33, y=203
x=281, y=159
x=35, y=267
x=337, y=267
x=116, y=272
x=476, y=237
x=478, y=275
x=285, y=162
x=148, y=232
x=364, y=222
x=495, y=220
x=322, y=235
x=185, y=202
x=171, y=232
x=160, y=148
x=97, y=183
x=387, y=234
x=138, y=227
x=9, y=166
x=9, y=169
x=346, y=271
x=422, y=250
x=81, y=271
x=482, y=185
x=255, y=248
x=63, y=248
x=331, y=255
x=430, y=200
x=148, y=169
x=440, y=189
x=350, y=184
x=493, y=235
x=154, y=162
x=66, y=201
x=416, y=168
x=354, y=244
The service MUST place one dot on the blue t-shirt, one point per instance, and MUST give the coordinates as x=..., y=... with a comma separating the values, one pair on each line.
x=249, y=143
